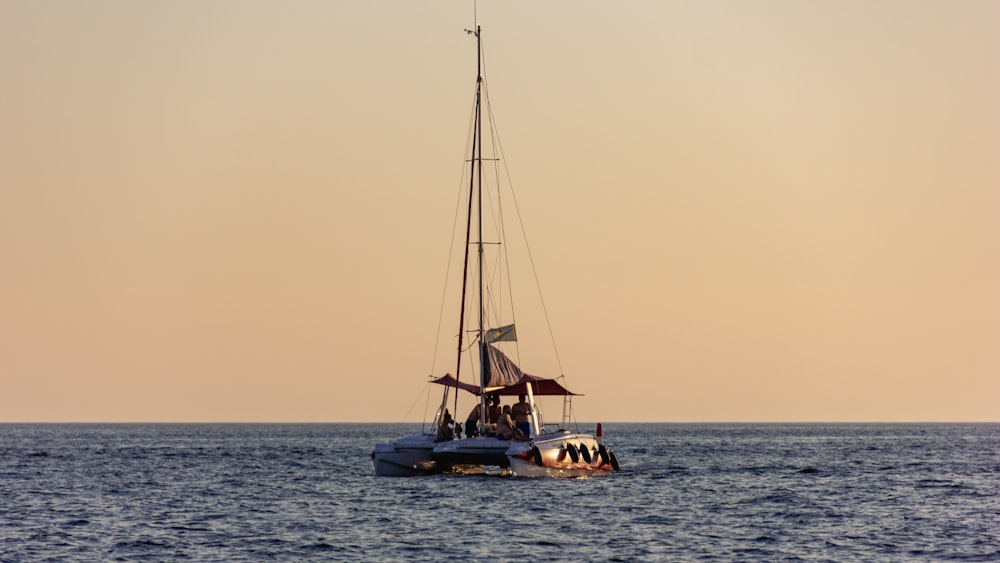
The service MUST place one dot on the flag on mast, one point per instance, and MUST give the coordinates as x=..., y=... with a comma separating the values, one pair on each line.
x=501, y=334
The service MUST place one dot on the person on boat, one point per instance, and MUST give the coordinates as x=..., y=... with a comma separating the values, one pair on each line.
x=445, y=432
x=506, y=429
x=472, y=423
x=521, y=412
x=493, y=410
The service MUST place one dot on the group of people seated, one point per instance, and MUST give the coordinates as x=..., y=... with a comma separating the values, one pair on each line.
x=506, y=423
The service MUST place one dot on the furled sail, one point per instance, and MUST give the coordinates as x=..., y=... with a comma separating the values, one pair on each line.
x=499, y=371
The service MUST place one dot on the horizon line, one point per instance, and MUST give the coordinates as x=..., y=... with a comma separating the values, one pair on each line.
x=576, y=424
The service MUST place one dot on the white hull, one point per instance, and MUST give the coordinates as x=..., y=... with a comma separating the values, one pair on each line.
x=560, y=454
x=406, y=457
x=421, y=455
x=480, y=451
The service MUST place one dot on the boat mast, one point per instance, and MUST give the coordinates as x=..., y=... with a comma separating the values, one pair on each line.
x=478, y=166
x=476, y=150
x=475, y=189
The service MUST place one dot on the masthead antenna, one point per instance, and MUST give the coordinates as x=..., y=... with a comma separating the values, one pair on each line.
x=475, y=20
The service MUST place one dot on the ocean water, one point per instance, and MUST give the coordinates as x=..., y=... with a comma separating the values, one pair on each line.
x=687, y=492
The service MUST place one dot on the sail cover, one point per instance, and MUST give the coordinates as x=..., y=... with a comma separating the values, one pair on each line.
x=499, y=371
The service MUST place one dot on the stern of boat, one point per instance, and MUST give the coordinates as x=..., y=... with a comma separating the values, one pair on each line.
x=564, y=454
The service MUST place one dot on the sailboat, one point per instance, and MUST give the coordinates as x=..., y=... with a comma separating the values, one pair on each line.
x=523, y=445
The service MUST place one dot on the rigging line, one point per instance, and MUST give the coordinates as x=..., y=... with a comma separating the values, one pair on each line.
x=454, y=232
x=495, y=289
x=492, y=291
x=527, y=246
x=475, y=143
x=473, y=340
x=437, y=337
x=497, y=212
x=494, y=304
x=497, y=300
x=425, y=393
x=426, y=403
x=494, y=140
x=475, y=179
x=473, y=343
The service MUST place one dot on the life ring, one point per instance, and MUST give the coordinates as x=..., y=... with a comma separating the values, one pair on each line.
x=573, y=454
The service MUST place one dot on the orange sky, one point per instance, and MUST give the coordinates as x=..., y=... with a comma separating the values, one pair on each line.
x=240, y=211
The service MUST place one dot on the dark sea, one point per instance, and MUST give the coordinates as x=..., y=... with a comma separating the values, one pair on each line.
x=686, y=492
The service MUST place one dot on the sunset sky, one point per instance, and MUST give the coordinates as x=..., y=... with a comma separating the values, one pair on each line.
x=739, y=211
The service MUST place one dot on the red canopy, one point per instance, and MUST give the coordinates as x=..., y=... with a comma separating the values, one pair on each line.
x=539, y=386
x=450, y=381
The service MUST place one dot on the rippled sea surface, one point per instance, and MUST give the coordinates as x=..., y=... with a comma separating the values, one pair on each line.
x=687, y=492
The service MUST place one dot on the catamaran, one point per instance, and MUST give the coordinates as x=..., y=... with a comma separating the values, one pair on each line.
x=534, y=449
